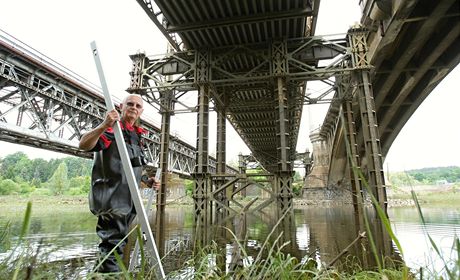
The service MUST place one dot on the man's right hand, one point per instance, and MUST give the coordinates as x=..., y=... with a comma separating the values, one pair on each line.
x=89, y=139
x=110, y=118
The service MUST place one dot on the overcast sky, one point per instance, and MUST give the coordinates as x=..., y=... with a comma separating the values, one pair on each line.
x=63, y=30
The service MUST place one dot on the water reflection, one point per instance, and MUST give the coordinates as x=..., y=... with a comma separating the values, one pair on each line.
x=317, y=232
x=442, y=226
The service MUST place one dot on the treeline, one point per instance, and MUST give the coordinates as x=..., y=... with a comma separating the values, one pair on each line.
x=426, y=176
x=21, y=175
x=71, y=175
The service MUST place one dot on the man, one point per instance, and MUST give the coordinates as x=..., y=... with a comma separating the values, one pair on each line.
x=109, y=198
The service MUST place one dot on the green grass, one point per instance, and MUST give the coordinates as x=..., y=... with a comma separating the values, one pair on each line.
x=14, y=205
x=427, y=196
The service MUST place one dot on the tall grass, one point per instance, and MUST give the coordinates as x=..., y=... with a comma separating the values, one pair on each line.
x=451, y=267
x=16, y=257
x=269, y=263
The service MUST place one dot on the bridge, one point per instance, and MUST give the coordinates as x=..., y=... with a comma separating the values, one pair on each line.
x=45, y=105
x=411, y=46
x=253, y=61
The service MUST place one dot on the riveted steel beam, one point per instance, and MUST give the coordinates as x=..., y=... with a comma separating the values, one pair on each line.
x=44, y=105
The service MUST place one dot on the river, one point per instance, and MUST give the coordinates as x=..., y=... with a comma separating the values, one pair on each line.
x=319, y=232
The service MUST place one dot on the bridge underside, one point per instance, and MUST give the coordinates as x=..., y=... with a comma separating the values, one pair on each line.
x=250, y=59
x=411, y=53
x=238, y=64
x=412, y=46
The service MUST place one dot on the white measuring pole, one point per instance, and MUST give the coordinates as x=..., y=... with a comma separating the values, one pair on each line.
x=148, y=206
x=128, y=170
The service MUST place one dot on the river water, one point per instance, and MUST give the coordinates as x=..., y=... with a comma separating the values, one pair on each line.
x=318, y=232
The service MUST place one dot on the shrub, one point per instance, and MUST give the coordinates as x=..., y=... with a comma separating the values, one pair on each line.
x=8, y=186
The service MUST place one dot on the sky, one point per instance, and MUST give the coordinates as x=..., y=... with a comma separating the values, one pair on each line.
x=63, y=30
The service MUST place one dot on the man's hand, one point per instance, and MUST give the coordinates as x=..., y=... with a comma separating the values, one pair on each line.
x=155, y=183
x=110, y=118
x=89, y=139
x=151, y=182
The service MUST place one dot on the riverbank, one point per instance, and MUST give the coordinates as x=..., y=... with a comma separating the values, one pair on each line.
x=397, y=197
x=13, y=205
x=427, y=195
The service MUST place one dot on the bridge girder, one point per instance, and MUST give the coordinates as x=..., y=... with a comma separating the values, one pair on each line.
x=244, y=76
x=49, y=107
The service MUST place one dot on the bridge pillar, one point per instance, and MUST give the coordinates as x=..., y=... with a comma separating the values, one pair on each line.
x=317, y=177
x=166, y=110
x=345, y=92
x=371, y=140
x=225, y=194
x=242, y=165
x=372, y=160
x=202, y=202
x=283, y=179
x=369, y=126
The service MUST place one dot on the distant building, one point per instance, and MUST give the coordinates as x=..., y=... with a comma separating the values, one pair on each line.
x=441, y=182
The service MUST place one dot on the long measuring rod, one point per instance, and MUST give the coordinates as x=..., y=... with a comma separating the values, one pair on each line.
x=128, y=170
x=134, y=259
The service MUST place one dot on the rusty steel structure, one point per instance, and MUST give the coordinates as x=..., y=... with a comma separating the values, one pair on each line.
x=47, y=106
x=252, y=60
x=411, y=46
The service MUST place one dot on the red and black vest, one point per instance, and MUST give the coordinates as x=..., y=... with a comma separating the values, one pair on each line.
x=109, y=194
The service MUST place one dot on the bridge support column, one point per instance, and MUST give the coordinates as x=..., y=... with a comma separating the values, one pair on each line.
x=202, y=204
x=345, y=92
x=375, y=175
x=167, y=107
x=316, y=179
x=371, y=140
x=283, y=184
x=357, y=41
x=223, y=195
x=284, y=177
x=242, y=164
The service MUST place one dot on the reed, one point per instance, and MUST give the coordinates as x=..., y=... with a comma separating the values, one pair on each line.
x=269, y=263
x=451, y=267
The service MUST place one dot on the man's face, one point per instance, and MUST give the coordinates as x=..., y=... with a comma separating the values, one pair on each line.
x=132, y=108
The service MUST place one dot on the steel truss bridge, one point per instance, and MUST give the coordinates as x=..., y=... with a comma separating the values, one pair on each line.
x=253, y=61
x=44, y=105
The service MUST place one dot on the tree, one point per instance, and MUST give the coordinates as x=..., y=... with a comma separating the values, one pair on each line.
x=189, y=186
x=10, y=165
x=78, y=166
x=80, y=183
x=59, y=182
x=8, y=186
x=25, y=188
x=42, y=170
